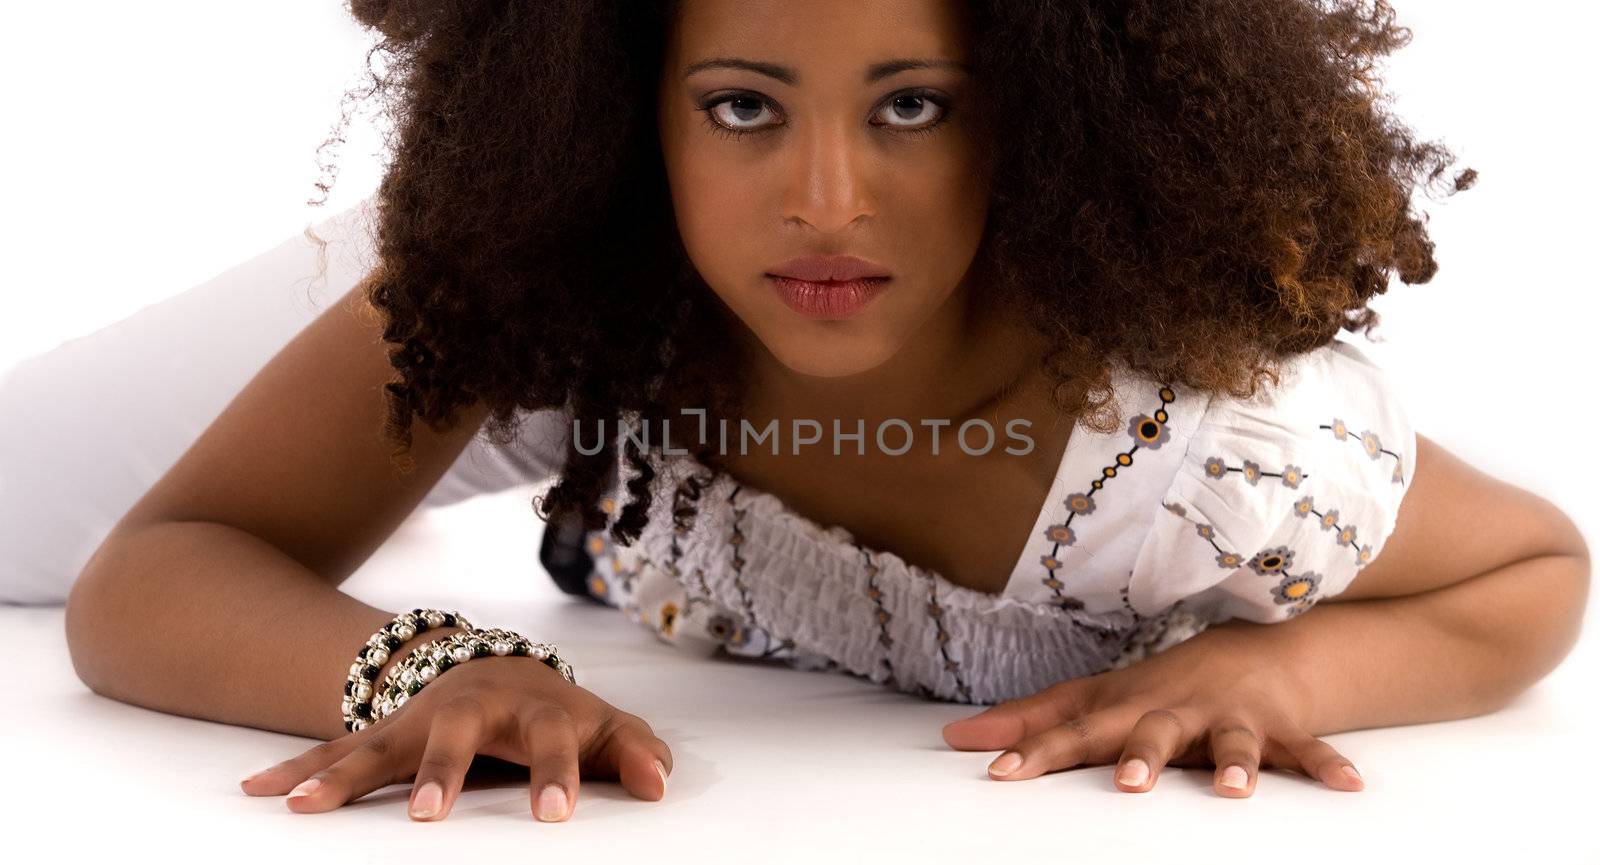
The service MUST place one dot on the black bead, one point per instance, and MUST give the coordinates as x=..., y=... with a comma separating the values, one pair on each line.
x=449, y=620
x=480, y=650
x=417, y=610
x=392, y=641
x=364, y=710
x=349, y=687
x=369, y=672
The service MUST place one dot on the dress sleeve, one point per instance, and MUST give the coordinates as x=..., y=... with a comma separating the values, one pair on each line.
x=1280, y=499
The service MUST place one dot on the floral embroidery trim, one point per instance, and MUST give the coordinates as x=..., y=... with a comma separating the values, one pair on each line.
x=726, y=629
x=1297, y=590
x=880, y=614
x=685, y=512
x=1291, y=476
x=1370, y=443
x=1345, y=535
x=735, y=539
x=936, y=613
x=1126, y=604
x=1148, y=431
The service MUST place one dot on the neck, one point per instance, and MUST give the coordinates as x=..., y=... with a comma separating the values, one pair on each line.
x=966, y=362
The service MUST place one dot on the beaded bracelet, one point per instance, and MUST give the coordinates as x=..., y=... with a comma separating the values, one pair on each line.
x=358, y=686
x=428, y=661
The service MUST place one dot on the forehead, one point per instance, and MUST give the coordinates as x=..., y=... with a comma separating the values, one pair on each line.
x=819, y=35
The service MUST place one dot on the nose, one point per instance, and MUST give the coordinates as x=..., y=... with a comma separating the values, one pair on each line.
x=828, y=186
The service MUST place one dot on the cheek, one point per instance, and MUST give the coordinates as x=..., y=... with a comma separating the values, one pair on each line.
x=710, y=212
x=948, y=207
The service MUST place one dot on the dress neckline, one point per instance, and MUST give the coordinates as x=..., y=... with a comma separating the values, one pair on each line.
x=1053, y=511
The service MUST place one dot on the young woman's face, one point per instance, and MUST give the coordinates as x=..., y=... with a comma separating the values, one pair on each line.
x=846, y=150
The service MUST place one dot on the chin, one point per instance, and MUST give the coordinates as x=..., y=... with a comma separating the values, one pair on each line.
x=828, y=358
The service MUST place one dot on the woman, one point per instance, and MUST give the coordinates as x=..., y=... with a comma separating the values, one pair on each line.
x=1129, y=231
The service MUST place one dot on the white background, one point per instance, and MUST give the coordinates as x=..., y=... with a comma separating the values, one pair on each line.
x=149, y=146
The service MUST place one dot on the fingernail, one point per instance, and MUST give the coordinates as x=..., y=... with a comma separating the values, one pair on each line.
x=1008, y=763
x=662, y=771
x=306, y=788
x=1134, y=773
x=552, y=802
x=1235, y=777
x=1351, y=773
x=253, y=777
x=428, y=801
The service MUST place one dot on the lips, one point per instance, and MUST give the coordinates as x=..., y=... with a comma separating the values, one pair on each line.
x=830, y=268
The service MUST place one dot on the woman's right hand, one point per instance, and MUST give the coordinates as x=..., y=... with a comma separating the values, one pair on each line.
x=512, y=707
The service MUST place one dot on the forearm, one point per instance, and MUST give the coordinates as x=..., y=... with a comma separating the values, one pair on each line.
x=1454, y=652
x=206, y=621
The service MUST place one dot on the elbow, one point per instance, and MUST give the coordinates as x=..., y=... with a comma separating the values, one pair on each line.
x=82, y=623
x=1569, y=559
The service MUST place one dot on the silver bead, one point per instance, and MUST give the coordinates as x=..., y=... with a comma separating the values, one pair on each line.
x=363, y=691
x=355, y=669
x=360, y=724
x=405, y=632
x=461, y=654
x=501, y=647
x=376, y=656
x=401, y=700
x=406, y=677
x=539, y=652
x=434, y=617
x=428, y=674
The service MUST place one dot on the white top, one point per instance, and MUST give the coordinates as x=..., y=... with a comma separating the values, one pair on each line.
x=1196, y=510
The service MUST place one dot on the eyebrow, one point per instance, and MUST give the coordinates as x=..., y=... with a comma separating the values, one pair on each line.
x=790, y=76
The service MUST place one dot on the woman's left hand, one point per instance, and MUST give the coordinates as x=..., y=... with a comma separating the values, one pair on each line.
x=1215, y=699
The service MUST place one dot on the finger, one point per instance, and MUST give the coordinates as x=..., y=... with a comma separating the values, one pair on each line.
x=551, y=738
x=1092, y=738
x=454, y=736
x=1321, y=762
x=281, y=778
x=1155, y=737
x=374, y=763
x=637, y=757
x=1004, y=724
x=1236, y=751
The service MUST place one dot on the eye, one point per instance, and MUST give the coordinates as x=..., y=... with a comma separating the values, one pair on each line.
x=917, y=106
x=743, y=108
x=736, y=115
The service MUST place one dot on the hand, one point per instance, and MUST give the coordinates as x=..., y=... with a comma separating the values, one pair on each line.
x=1212, y=700
x=511, y=707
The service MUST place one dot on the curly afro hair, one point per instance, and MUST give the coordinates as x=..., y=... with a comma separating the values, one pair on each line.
x=1208, y=188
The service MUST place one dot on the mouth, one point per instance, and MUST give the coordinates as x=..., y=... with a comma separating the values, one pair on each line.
x=829, y=268
x=831, y=299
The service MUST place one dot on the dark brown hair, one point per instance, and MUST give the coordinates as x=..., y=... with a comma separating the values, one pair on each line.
x=1198, y=188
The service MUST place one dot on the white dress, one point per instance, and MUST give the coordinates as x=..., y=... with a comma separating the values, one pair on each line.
x=1196, y=510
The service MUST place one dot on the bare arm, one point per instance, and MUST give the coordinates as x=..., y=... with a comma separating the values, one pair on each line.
x=216, y=595
x=208, y=621
x=1479, y=593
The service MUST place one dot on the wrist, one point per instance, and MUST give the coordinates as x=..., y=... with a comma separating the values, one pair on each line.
x=1279, y=653
x=407, y=648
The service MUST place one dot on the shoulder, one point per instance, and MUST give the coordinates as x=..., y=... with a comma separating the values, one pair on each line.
x=1281, y=497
